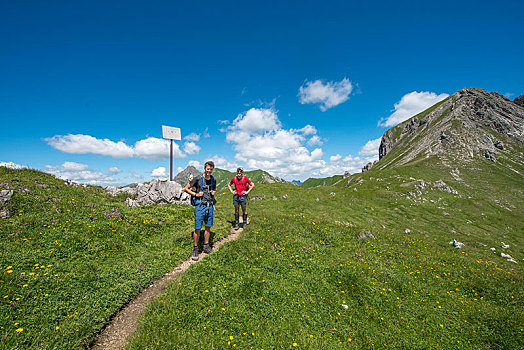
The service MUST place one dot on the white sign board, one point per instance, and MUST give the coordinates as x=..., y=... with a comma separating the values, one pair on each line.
x=169, y=132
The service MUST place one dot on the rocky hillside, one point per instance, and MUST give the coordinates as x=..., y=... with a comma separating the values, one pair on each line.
x=469, y=124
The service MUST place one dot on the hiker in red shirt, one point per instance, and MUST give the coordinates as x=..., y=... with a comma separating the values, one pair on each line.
x=242, y=187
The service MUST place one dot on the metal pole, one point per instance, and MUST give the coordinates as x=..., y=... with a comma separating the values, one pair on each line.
x=171, y=162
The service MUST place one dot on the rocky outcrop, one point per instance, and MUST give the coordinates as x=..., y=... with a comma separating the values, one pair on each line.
x=157, y=191
x=5, y=198
x=368, y=166
x=470, y=123
x=519, y=100
x=183, y=177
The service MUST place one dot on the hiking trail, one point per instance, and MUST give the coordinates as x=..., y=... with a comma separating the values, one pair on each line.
x=122, y=326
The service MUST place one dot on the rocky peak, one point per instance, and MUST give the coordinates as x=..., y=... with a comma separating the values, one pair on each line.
x=519, y=100
x=470, y=122
x=183, y=177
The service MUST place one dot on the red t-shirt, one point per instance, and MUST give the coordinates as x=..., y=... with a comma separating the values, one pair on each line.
x=240, y=185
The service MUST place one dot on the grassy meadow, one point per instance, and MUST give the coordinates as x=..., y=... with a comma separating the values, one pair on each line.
x=364, y=264
x=361, y=265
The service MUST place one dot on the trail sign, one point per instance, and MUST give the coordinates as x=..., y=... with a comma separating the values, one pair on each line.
x=171, y=133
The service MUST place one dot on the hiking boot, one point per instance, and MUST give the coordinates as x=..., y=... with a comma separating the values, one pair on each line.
x=237, y=217
x=194, y=255
x=244, y=217
x=207, y=249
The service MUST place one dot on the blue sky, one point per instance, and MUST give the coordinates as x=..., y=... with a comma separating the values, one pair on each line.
x=297, y=88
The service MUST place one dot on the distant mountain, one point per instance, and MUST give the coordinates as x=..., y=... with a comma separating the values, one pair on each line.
x=183, y=177
x=223, y=177
x=469, y=124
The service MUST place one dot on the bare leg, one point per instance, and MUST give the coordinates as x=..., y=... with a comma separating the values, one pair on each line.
x=196, y=236
x=207, y=233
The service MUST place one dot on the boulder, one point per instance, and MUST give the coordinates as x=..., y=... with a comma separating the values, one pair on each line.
x=5, y=196
x=157, y=191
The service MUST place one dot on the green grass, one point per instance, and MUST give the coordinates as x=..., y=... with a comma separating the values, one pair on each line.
x=66, y=267
x=284, y=281
x=327, y=181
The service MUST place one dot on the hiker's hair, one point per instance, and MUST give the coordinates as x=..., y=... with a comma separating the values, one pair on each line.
x=210, y=163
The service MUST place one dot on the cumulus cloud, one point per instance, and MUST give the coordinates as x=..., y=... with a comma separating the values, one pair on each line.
x=159, y=172
x=193, y=137
x=79, y=173
x=370, y=148
x=12, y=165
x=223, y=163
x=410, y=105
x=83, y=144
x=195, y=163
x=260, y=142
x=154, y=148
x=339, y=165
x=191, y=148
x=114, y=170
x=327, y=95
x=315, y=141
x=150, y=148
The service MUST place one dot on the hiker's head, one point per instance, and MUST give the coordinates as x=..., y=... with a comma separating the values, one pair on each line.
x=240, y=172
x=208, y=167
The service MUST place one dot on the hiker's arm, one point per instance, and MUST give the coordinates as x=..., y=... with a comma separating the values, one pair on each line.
x=230, y=189
x=187, y=189
x=250, y=187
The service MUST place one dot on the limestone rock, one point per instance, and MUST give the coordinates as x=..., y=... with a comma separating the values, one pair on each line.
x=5, y=196
x=157, y=191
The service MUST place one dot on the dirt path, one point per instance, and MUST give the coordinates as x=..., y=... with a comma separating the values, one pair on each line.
x=122, y=326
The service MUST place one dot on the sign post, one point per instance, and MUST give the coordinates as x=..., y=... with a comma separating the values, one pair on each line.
x=171, y=133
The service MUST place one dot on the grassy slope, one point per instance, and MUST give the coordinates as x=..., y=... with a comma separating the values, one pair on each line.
x=257, y=176
x=65, y=267
x=327, y=181
x=284, y=281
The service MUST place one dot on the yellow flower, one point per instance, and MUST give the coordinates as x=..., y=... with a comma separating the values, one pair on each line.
x=9, y=271
x=9, y=267
x=295, y=344
x=230, y=337
x=19, y=330
x=57, y=328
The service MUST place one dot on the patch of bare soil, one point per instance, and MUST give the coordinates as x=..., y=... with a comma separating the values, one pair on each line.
x=123, y=324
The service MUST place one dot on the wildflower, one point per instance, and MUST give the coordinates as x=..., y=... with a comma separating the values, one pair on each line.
x=19, y=330
x=295, y=344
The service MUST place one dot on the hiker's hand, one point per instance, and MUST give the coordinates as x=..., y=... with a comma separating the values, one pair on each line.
x=199, y=194
x=213, y=192
x=244, y=193
x=233, y=191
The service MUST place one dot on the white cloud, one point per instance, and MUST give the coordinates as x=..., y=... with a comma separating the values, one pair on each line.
x=72, y=166
x=154, y=148
x=370, y=148
x=308, y=130
x=260, y=142
x=114, y=170
x=191, y=148
x=195, y=163
x=151, y=148
x=205, y=134
x=136, y=175
x=193, y=137
x=79, y=173
x=256, y=120
x=315, y=141
x=410, y=105
x=223, y=122
x=339, y=165
x=82, y=144
x=12, y=165
x=327, y=95
x=223, y=163
x=335, y=158
x=159, y=172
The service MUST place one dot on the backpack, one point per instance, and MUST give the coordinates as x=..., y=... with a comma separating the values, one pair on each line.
x=243, y=181
x=198, y=200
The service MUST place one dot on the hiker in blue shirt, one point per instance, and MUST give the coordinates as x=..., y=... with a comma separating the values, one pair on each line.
x=203, y=198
